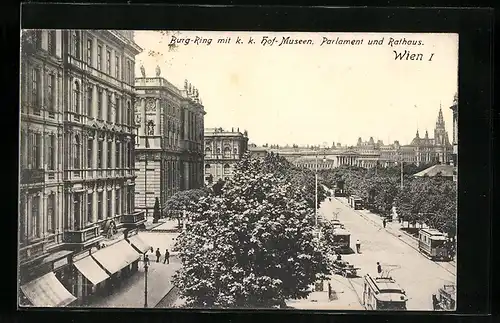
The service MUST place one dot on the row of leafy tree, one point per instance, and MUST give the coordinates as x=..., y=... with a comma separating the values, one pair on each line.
x=425, y=200
x=251, y=241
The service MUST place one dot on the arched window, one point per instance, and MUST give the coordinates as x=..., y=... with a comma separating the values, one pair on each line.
x=207, y=168
x=76, y=98
x=130, y=155
x=227, y=151
x=235, y=151
x=218, y=150
x=227, y=169
x=76, y=44
x=78, y=151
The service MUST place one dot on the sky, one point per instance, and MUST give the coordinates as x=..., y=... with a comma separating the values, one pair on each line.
x=312, y=93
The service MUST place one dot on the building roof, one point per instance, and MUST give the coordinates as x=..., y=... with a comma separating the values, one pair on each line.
x=443, y=170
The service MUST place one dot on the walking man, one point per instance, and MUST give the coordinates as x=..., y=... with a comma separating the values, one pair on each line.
x=146, y=259
x=358, y=246
x=167, y=257
x=158, y=254
x=379, y=269
x=384, y=222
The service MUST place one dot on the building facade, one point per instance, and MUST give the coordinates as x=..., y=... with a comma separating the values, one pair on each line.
x=223, y=150
x=169, y=152
x=76, y=148
x=454, y=108
x=369, y=153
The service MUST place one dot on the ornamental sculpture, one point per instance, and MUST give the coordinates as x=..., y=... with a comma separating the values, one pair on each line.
x=143, y=71
x=158, y=71
x=151, y=128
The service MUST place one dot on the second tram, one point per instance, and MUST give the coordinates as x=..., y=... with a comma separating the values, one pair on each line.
x=383, y=294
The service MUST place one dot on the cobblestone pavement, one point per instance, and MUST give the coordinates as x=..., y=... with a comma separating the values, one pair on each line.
x=131, y=293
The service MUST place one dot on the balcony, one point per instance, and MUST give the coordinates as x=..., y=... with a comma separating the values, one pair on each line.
x=133, y=220
x=83, y=237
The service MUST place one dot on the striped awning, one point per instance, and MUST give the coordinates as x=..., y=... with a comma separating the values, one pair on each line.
x=47, y=291
x=117, y=256
x=91, y=270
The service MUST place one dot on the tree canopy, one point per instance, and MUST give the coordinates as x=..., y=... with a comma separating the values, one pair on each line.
x=253, y=245
x=182, y=201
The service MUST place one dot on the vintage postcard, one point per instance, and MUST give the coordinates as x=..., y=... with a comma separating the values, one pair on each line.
x=222, y=170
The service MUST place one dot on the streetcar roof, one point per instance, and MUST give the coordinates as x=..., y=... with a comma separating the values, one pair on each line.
x=391, y=297
x=431, y=231
x=384, y=285
x=340, y=231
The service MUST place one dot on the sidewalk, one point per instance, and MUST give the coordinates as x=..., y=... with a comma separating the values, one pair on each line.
x=159, y=239
x=344, y=298
x=131, y=293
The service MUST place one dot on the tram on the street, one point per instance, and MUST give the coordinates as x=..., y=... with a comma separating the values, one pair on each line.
x=434, y=244
x=355, y=202
x=446, y=298
x=383, y=294
x=342, y=240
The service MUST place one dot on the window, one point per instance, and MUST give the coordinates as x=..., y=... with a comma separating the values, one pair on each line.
x=90, y=143
x=23, y=228
x=117, y=155
x=129, y=200
x=90, y=97
x=110, y=153
x=78, y=151
x=117, y=110
x=51, y=93
x=36, y=162
x=117, y=67
x=227, y=152
x=90, y=197
x=129, y=114
x=108, y=62
x=99, y=154
x=52, y=41
x=110, y=107
x=128, y=80
x=118, y=210
x=129, y=155
x=35, y=214
x=51, y=152
x=51, y=213
x=76, y=98
x=38, y=39
x=109, y=205
x=99, y=57
x=99, y=103
x=99, y=205
x=207, y=169
x=227, y=170
x=35, y=89
x=76, y=44
x=23, y=152
x=89, y=52
x=77, y=208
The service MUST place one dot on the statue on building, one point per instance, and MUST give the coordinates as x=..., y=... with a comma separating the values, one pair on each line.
x=151, y=128
x=245, y=133
x=143, y=71
x=185, y=84
x=158, y=71
x=189, y=88
x=196, y=94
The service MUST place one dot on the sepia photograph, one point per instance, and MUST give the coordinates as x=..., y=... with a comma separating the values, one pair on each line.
x=238, y=170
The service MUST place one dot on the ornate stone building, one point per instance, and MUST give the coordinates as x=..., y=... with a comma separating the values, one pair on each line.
x=169, y=153
x=223, y=149
x=76, y=152
x=370, y=153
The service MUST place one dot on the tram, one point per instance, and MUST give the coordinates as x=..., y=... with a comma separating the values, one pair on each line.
x=355, y=202
x=434, y=244
x=446, y=299
x=383, y=294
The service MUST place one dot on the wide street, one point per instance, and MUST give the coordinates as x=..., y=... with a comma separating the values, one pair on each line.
x=418, y=275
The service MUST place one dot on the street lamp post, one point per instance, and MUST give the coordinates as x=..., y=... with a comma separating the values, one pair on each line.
x=145, y=284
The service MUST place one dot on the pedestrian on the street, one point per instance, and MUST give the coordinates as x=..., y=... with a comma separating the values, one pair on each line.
x=379, y=269
x=329, y=291
x=358, y=246
x=146, y=260
x=152, y=250
x=167, y=257
x=158, y=254
x=384, y=222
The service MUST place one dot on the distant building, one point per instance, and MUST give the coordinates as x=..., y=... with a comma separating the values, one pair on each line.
x=454, y=108
x=169, y=149
x=369, y=153
x=444, y=170
x=223, y=150
x=256, y=151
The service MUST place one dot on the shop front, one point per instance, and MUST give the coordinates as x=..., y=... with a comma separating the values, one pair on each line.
x=48, y=282
x=118, y=260
x=90, y=279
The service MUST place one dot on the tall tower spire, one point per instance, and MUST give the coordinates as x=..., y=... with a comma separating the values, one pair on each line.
x=440, y=120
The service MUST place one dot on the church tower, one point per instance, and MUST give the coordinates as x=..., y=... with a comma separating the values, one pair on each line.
x=441, y=141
